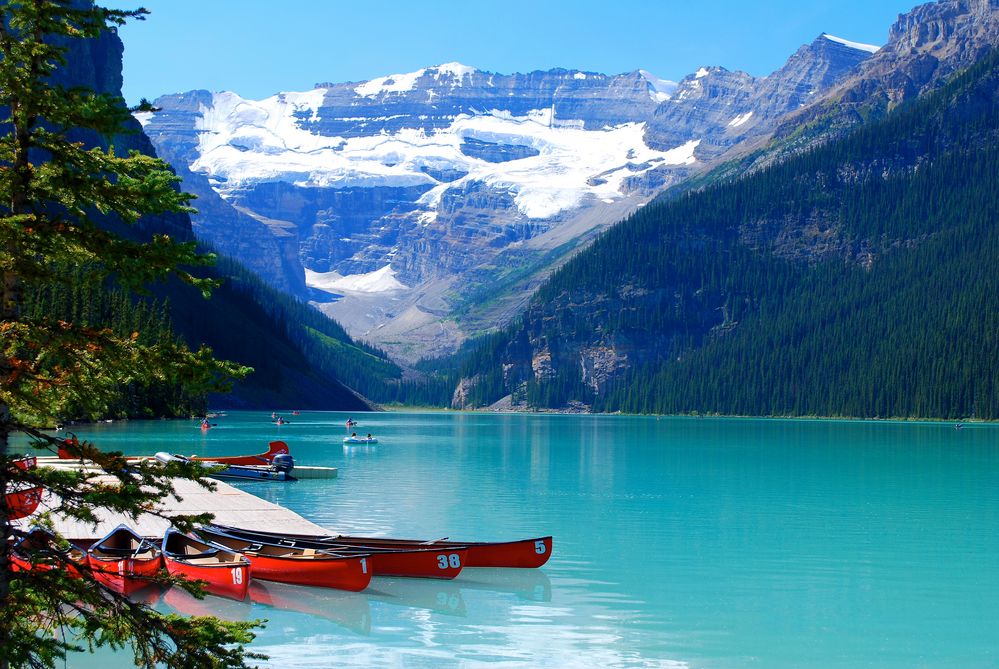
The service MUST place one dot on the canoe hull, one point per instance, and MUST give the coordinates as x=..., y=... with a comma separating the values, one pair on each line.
x=521, y=554
x=410, y=562
x=223, y=572
x=351, y=573
x=22, y=503
x=274, y=448
x=223, y=580
x=126, y=576
x=39, y=545
x=418, y=563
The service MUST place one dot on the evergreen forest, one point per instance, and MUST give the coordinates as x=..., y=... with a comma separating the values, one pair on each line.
x=855, y=279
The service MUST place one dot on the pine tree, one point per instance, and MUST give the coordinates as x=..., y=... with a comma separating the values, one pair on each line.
x=60, y=197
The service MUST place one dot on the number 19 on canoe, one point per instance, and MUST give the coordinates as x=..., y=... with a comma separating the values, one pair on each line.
x=444, y=561
x=237, y=576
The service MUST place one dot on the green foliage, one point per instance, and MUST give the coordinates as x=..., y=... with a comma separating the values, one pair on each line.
x=852, y=280
x=70, y=346
x=72, y=298
x=321, y=341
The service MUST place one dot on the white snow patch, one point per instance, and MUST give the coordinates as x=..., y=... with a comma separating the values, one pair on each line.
x=242, y=142
x=870, y=48
x=702, y=72
x=579, y=75
x=380, y=281
x=144, y=117
x=456, y=70
x=394, y=83
x=739, y=120
x=660, y=90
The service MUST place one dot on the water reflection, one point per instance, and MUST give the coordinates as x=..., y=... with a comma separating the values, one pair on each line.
x=347, y=609
x=183, y=602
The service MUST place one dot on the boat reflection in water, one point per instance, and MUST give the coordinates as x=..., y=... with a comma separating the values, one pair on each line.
x=347, y=609
x=529, y=584
x=232, y=610
x=149, y=595
x=418, y=593
x=352, y=610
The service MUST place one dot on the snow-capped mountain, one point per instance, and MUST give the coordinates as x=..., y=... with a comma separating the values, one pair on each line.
x=406, y=198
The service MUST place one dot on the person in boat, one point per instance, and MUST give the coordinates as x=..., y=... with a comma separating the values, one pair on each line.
x=205, y=424
x=351, y=422
x=353, y=435
x=369, y=435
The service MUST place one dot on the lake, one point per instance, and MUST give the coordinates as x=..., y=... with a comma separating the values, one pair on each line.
x=678, y=542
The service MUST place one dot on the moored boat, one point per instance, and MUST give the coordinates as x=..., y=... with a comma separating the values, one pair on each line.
x=26, y=463
x=296, y=565
x=414, y=562
x=23, y=502
x=124, y=561
x=275, y=472
x=39, y=550
x=224, y=572
x=274, y=448
x=524, y=553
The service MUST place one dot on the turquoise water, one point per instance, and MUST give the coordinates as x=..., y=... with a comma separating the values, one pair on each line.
x=678, y=542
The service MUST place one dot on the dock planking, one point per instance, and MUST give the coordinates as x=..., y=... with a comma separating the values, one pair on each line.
x=230, y=506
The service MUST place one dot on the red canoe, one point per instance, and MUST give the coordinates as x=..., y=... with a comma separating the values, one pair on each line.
x=274, y=448
x=27, y=462
x=414, y=562
x=124, y=561
x=299, y=566
x=24, y=502
x=224, y=572
x=525, y=553
x=38, y=550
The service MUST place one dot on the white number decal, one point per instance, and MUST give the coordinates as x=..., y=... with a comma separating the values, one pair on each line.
x=453, y=560
x=237, y=576
x=539, y=547
x=364, y=565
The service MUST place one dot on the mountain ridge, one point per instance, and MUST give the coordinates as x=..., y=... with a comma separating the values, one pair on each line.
x=452, y=177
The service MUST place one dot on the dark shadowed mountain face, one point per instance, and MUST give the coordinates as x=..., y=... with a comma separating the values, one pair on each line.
x=421, y=207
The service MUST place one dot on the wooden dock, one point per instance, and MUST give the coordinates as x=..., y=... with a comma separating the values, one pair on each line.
x=229, y=505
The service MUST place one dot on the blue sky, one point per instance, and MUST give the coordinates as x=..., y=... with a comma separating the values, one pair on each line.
x=258, y=48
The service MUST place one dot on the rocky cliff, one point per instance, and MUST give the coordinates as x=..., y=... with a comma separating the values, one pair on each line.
x=925, y=47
